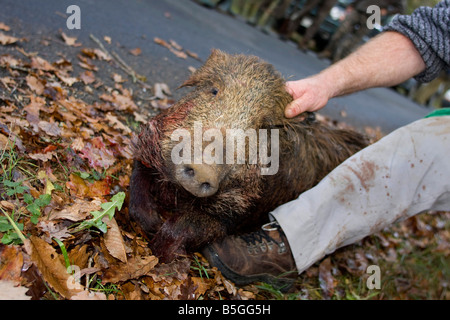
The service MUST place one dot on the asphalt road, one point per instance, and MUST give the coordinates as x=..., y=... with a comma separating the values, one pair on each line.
x=134, y=23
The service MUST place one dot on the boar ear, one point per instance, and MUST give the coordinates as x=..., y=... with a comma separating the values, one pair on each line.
x=205, y=72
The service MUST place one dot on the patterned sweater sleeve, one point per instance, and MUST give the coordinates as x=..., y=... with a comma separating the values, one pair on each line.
x=429, y=30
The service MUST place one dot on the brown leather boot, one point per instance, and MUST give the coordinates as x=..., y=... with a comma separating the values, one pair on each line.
x=263, y=256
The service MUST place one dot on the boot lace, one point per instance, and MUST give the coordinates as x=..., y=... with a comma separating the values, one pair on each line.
x=261, y=241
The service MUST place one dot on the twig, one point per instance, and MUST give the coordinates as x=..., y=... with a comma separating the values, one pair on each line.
x=102, y=47
x=122, y=64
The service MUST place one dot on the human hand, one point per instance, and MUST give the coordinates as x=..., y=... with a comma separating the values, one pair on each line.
x=309, y=94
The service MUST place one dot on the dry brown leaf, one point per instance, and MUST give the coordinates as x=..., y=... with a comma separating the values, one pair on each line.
x=44, y=157
x=134, y=268
x=35, y=84
x=79, y=211
x=48, y=261
x=5, y=144
x=11, y=261
x=66, y=79
x=41, y=64
x=114, y=240
x=99, y=155
x=96, y=54
x=53, y=230
x=77, y=144
x=117, y=124
x=4, y=27
x=32, y=110
x=5, y=39
x=50, y=128
x=87, y=77
x=82, y=188
x=161, y=90
x=136, y=51
x=202, y=285
x=70, y=41
x=139, y=117
x=78, y=256
x=120, y=101
x=117, y=78
x=7, y=205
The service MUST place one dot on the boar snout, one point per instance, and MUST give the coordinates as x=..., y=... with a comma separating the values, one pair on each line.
x=202, y=180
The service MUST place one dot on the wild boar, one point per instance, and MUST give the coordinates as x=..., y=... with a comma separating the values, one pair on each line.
x=189, y=187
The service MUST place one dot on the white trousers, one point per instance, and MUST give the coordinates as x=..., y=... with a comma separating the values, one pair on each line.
x=405, y=173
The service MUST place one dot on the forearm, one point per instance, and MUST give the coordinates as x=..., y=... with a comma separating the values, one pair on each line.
x=386, y=60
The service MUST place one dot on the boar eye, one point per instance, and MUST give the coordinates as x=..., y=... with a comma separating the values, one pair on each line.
x=214, y=91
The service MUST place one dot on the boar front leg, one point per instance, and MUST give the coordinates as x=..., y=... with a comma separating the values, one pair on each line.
x=184, y=234
x=141, y=206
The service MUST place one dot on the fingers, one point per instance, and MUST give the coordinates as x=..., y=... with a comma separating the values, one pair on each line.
x=308, y=94
x=293, y=109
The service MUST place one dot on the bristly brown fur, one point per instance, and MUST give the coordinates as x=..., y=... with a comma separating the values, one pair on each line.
x=231, y=91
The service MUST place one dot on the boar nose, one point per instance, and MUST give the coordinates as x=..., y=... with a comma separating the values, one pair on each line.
x=201, y=180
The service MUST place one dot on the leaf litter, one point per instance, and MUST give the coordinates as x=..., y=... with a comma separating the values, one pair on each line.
x=65, y=232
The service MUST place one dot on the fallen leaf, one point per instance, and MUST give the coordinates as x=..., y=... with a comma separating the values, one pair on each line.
x=121, y=101
x=4, y=27
x=136, y=51
x=135, y=267
x=87, y=77
x=118, y=78
x=98, y=155
x=202, y=285
x=79, y=256
x=32, y=110
x=77, y=144
x=79, y=211
x=44, y=157
x=96, y=54
x=49, y=187
x=82, y=188
x=48, y=261
x=5, y=39
x=50, y=128
x=117, y=124
x=66, y=79
x=52, y=230
x=162, y=91
x=139, y=117
x=34, y=84
x=5, y=144
x=114, y=240
x=41, y=64
x=70, y=41
x=11, y=261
